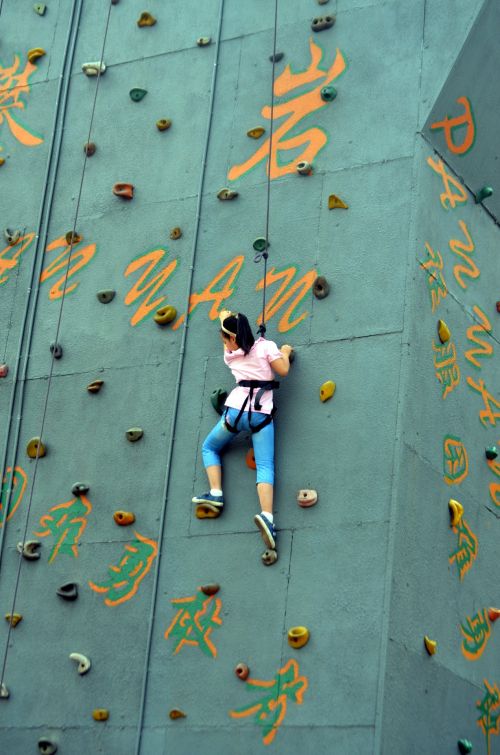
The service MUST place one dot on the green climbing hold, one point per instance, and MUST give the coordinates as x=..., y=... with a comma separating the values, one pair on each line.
x=218, y=399
x=137, y=94
x=464, y=745
x=40, y=8
x=328, y=94
x=260, y=244
x=106, y=295
x=483, y=193
x=491, y=452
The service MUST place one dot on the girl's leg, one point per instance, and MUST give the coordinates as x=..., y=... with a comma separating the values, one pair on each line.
x=263, y=446
x=213, y=444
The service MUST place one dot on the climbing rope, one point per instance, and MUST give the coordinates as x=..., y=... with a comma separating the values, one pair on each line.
x=265, y=254
x=73, y=234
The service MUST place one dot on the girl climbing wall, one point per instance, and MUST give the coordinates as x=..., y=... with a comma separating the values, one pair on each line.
x=249, y=406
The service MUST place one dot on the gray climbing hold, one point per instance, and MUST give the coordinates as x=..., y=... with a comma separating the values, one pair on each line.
x=47, y=746
x=203, y=41
x=106, y=295
x=40, y=8
x=322, y=22
x=134, y=434
x=321, y=288
x=226, y=194
x=304, y=168
x=12, y=236
x=68, y=591
x=83, y=662
x=93, y=68
x=56, y=350
x=4, y=692
x=269, y=557
x=137, y=94
x=80, y=488
x=276, y=57
x=29, y=549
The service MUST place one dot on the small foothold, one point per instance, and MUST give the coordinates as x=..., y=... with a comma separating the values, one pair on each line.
x=298, y=637
x=210, y=589
x=68, y=591
x=163, y=124
x=321, y=289
x=218, y=399
x=83, y=662
x=497, y=305
x=456, y=512
x=46, y=746
x=327, y=390
x=226, y=194
x=35, y=53
x=100, y=714
x=242, y=671
x=322, y=2
x=137, y=94
x=483, y=193
x=56, y=350
x=126, y=191
x=164, y=315
x=493, y=614
x=40, y=8
x=176, y=713
x=203, y=41
x=4, y=692
x=322, y=22
x=29, y=549
x=443, y=331
x=256, y=133
x=72, y=237
x=93, y=69
x=175, y=233
x=13, y=618
x=4, y=370
x=95, y=386
x=430, y=645
x=250, y=459
x=134, y=434
x=260, y=244
x=2, y=160
x=80, y=488
x=336, y=203
x=146, y=19
x=306, y=498
x=89, y=148
x=464, y=746
x=124, y=518
x=207, y=511
x=328, y=94
x=12, y=236
x=304, y=168
x=491, y=452
x=270, y=557
x=35, y=448
x=277, y=57
x=106, y=295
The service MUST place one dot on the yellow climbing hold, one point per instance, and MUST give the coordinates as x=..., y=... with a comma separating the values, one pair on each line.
x=207, y=511
x=327, y=390
x=430, y=645
x=443, y=331
x=256, y=133
x=336, y=203
x=298, y=637
x=35, y=448
x=13, y=618
x=163, y=124
x=456, y=512
x=165, y=315
x=146, y=19
x=124, y=518
x=100, y=714
x=95, y=386
x=2, y=160
x=35, y=53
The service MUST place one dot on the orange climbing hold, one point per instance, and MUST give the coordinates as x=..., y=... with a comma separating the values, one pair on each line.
x=126, y=191
x=493, y=614
x=250, y=459
x=124, y=518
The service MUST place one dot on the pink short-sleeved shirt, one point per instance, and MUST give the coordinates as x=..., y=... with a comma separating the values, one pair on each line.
x=253, y=366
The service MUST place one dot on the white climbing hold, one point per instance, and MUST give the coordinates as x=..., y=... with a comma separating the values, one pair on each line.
x=83, y=662
x=29, y=549
x=4, y=692
x=92, y=69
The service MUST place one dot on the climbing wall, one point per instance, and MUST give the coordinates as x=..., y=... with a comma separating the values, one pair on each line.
x=132, y=192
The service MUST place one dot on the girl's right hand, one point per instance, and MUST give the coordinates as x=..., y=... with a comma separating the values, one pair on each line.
x=286, y=349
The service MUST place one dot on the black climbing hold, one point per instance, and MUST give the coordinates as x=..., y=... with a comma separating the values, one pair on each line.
x=69, y=591
x=321, y=289
x=56, y=350
x=47, y=746
x=218, y=399
x=80, y=488
x=89, y=148
x=276, y=57
x=106, y=295
x=322, y=22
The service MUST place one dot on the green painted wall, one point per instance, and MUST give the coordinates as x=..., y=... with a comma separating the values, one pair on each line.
x=367, y=569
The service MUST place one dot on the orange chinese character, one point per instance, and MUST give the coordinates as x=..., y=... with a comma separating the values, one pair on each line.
x=450, y=124
x=447, y=369
x=448, y=197
x=489, y=723
x=459, y=248
x=466, y=551
x=476, y=633
x=435, y=281
x=486, y=347
x=18, y=480
x=494, y=486
x=66, y=522
x=10, y=255
x=123, y=580
x=296, y=109
x=151, y=259
x=270, y=710
x=485, y=414
x=79, y=258
x=455, y=460
x=14, y=84
x=193, y=623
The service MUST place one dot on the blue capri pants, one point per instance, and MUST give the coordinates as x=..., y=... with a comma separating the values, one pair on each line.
x=263, y=443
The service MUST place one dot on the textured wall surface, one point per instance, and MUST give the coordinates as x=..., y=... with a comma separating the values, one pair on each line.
x=370, y=569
